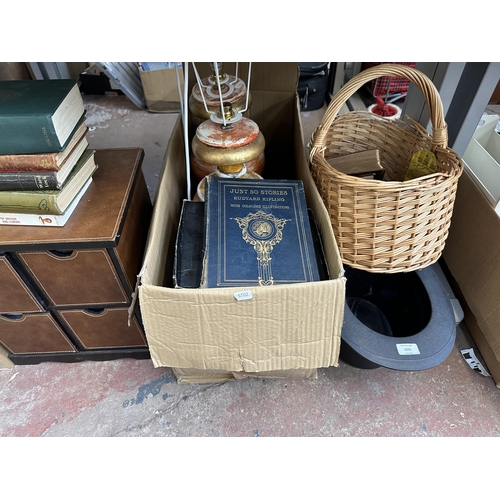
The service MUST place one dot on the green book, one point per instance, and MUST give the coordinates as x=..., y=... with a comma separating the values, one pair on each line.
x=53, y=202
x=38, y=116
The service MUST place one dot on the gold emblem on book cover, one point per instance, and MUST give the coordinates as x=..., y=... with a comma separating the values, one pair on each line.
x=263, y=231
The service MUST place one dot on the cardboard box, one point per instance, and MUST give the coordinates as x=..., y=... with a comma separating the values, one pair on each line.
x=482, y=157
x=285, y=327
x=5, y=362
x=195, y=376
x=161, y=89
x=472, y=256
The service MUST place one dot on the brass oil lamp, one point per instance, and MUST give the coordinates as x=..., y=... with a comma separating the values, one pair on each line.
x=227, y=145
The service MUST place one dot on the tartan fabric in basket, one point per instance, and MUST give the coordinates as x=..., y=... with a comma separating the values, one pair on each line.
x=389, y=225
x=387, y=84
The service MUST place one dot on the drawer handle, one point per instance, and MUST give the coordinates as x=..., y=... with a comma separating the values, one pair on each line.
x=94, y=311
x=12, y=317
x=61, y=253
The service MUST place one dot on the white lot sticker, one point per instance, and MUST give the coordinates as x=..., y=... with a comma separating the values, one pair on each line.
x=407, y=349
x=245, y=295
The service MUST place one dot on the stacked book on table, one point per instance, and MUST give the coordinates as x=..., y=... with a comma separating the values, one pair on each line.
x=46, y=164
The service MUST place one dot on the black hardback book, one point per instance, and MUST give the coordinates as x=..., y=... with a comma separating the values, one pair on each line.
x=189, y=245
x=319, y=251
x=257, y=234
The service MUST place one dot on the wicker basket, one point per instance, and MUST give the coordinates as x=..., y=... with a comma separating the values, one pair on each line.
x=388, y=225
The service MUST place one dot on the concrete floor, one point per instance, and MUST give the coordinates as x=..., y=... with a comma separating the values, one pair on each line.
x=125, y=398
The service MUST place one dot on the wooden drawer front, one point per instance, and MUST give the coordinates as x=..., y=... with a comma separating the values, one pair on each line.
x=79, y=278
x=33, y=333
x=15, y=296
x=102, y=329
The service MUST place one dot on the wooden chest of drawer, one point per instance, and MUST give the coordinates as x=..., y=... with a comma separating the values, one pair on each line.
x=90, y=263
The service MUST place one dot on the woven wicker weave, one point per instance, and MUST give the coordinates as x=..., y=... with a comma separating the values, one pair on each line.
x=391, y=225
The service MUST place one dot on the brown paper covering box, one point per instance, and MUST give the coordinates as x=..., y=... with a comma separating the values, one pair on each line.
x=472, y=256
x=285, y=327
x=161, y=89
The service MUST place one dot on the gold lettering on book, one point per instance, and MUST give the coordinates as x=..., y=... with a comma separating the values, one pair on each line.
x=263, y=231
x=47, y=138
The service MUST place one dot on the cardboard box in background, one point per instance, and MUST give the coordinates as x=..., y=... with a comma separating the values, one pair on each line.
x=472, y=256
x=285, y=327
x=482, y=158
x=161, y=89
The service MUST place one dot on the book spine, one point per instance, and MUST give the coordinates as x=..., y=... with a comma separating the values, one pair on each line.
x=29, y=202
x=28, y=135
x=28, y=163
x=28, y=181
x=31, y=220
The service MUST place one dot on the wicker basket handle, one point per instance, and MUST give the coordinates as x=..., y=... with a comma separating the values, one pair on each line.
x=431, y=95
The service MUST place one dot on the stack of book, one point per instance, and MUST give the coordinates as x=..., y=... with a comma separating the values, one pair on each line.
x=248, y=232
x=46, y=164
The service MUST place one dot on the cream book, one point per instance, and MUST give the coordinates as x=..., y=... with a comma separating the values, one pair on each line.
x=16, y=219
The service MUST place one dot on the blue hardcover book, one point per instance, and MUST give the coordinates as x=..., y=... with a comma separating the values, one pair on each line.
x=257, y=234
